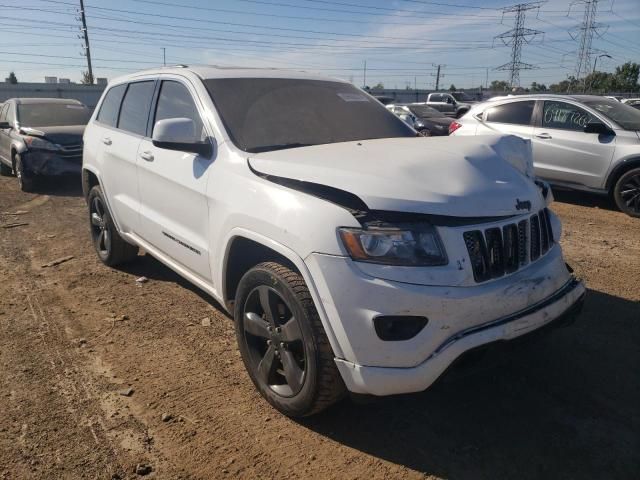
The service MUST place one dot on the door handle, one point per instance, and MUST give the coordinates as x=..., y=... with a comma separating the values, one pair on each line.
x=148, y=156
x=106, y=141
x=544, y=136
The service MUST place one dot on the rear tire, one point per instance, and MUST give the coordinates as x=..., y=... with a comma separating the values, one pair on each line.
x=110, y=247
x=626, y=193
x=26, y=181
x=286, y=352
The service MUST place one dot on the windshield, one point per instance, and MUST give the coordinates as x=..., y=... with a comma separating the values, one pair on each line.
x=461, y=97
x=266, y=114
x=424, y=111
x=624, y=115
x=52, y=114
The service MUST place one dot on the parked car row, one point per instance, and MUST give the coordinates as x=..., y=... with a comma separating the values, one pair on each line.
x=352, y=255
x=426, y=120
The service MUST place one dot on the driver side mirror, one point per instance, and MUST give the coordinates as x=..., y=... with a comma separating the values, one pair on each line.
x=4, y=125
x=598, y=127
x=179, y=134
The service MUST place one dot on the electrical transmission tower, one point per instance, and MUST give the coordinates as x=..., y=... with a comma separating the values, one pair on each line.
x=516, y=37
x=584, y=33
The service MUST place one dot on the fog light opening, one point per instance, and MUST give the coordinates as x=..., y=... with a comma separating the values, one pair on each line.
x=398, y=327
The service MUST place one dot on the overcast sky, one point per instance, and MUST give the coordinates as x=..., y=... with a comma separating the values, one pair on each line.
x=400, y=40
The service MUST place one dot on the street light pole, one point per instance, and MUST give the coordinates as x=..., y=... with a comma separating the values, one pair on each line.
x=595, y=62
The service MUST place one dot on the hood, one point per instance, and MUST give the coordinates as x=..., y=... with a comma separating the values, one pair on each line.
x=461, y=176
x=65, y=135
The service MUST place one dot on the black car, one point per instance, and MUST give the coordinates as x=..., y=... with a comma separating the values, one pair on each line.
x=428, y=121
x=41, y=137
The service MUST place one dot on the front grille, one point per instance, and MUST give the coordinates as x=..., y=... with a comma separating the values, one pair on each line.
x=71, y=151
x=497, y=251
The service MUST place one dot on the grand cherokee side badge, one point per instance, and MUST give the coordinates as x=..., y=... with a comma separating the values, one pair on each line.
x=523, y=205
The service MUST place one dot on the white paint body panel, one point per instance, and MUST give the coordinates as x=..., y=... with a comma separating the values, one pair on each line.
x=207, y=203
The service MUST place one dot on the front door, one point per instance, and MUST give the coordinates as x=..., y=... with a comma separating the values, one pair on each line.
x=563, y=152
x=174, y=212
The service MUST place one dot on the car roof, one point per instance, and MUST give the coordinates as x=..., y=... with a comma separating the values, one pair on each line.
x=547, y=96
x=27, y=101
x=215, y=71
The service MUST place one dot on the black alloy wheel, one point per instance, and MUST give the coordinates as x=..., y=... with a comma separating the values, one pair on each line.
x=274, y=342
x=100, y=234
x=111, y=248
x=283, y=343
x=627, y=193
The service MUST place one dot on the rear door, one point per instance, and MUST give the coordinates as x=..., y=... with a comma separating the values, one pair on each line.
x=5, y=142
x=122, y=122
x=563, y=152
x=439, y=102
x=174, y=211
x=513, y=118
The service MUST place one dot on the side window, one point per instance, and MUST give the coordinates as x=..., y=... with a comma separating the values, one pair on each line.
x=3, y=112
x=515, y=113
x=110, y=107
x=437, y=97
x=134, y=112
x=565, y=116
x=175, y=101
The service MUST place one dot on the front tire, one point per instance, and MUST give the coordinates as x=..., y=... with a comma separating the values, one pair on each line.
x=110, y=247
x=5, y=170
x=626, y=193
x=282, y=341
x=26, y=181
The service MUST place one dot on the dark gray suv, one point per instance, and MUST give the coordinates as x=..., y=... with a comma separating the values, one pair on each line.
x=41, y=137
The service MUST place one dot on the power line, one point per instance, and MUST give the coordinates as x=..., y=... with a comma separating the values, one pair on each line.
x=516, y=37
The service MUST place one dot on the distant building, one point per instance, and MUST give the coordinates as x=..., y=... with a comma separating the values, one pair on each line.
x=50, y=79
x=101, y=81
x=64, y=80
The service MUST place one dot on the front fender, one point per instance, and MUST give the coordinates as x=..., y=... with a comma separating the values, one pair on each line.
x=290, y=255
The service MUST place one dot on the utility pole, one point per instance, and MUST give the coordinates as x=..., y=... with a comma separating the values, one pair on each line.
x=365, y=75
x=438, y=76
x=516, y=37
x=164, y=56
x=583, y=33
x=85, y=32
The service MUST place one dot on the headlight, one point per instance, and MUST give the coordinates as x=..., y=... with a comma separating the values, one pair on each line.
x=419, y=124
x=416, y=245
x=39, y=143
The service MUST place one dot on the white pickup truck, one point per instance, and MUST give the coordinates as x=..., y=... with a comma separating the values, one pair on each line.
x=447, y=104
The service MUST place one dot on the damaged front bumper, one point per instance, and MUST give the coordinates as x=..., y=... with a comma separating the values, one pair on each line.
x=50, y=163
x=460, y=318
x=561, y=308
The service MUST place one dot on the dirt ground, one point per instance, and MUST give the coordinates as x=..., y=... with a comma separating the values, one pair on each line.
x=90, y=361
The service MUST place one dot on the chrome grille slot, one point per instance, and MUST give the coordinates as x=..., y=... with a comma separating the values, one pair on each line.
x=497, y=251
x=535, y=238
x=510, y=240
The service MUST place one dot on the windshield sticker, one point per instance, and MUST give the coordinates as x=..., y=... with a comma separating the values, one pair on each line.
x=353, y=97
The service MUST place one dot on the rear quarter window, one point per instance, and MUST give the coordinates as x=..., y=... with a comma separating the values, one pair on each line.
x=515, y=113
x=110, y=107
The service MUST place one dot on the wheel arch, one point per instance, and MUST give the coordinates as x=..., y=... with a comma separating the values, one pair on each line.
x=89, y=180
x=236, y=262
x=619, y=170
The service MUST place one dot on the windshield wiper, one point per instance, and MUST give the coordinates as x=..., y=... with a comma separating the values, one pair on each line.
x=281, y=146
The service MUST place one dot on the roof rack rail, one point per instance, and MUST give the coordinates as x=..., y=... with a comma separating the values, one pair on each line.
x=180, y=65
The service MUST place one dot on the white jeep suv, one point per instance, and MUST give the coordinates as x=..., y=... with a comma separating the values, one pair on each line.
x=353, y=255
